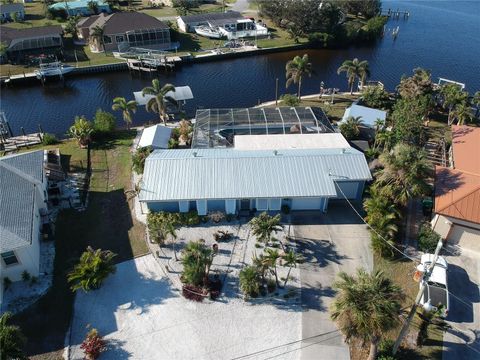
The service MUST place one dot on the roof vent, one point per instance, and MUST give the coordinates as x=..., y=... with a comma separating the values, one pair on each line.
x=195, y=154
x=344, y=151
x=275, y=152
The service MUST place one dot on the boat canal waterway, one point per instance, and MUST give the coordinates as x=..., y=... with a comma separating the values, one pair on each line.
x=442, y=36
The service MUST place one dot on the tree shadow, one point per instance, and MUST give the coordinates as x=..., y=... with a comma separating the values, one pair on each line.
x=462, y=287
x=447, y=180
x=189, y=42
x=312, y=296
x=115, y=350
x=318, y=253
x=110, y=142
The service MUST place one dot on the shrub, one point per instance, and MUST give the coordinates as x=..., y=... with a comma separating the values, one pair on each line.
x=192, y=292
x=320, y=39
x=162, y=224
x=33, y=280
x=138, y=159
x=271, y=285
x=427, y=239
x=92, y=269
x=93, y=345
x=26, y=275
x=249, y=281
x=221, y=235
x=375, y=97
x=290, y=100
x=196, y=260
x=49, y=139
x=216, y=216
x=173, y=143
x=104, y=122
x=190, y=218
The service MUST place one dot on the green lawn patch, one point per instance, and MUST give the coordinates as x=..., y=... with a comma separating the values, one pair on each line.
x=107, y=223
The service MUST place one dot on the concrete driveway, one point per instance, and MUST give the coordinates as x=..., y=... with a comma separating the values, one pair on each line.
x=463, y=342
x=331, y=243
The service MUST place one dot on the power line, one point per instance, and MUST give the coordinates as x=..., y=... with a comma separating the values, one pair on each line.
x=283, y=345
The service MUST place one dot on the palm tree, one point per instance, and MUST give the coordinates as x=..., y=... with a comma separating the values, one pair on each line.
x=354, y=69
x=157, y=103
x=126, y=107
x=291, y=259
x=404, y=174
x=366, y=307
x=161, y=225
x=270, y=258
x=351, y=127
x=419, y=84
x=93, y=6
x=249, y=281
x=92, y=269
x=463, y=113
x=97, y=37
x=71, y=26
x=452, y=96
x=263, y=225
x=385, y=138
x=12, y=340
x=196, y=261
x=81, y=130
x=296, y=70
x=476, y=102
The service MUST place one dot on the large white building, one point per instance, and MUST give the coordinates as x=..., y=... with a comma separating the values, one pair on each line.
x=255, y=159
x=23, y=195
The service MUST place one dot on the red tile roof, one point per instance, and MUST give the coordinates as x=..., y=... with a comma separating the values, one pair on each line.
x=457, y=189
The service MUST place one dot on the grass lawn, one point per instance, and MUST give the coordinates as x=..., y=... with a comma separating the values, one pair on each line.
x=401, y=272
x=279, y=37
x=166, y=11
x=106, y=224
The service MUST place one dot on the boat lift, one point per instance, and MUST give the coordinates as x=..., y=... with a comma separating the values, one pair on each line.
x=443, y=81
x=180, y=95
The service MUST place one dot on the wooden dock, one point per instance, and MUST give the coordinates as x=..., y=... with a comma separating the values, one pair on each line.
x=14, y=143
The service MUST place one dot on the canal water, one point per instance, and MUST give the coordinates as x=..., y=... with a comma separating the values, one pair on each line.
x=443, y=36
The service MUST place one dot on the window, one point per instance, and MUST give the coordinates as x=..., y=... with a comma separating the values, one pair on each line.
x=9, y=258
x=107, y=39
x=119, y=39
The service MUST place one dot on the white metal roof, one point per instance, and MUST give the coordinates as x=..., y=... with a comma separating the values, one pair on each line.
x=290, y=141
x=439, y=273
x=156, y=136
x=368, y=115
x=235, y=174
x=181, y=93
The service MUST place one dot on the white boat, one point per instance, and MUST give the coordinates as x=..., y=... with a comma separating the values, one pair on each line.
x=53, y=69
x=207, y=31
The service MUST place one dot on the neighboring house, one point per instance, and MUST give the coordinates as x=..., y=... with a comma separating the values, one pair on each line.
x=277, y=157
x=33, y=40
x=189, y=22
x=171, y=2
x=7, y=11
x=80, y=7
x=457, y=191
x=123, y=30
x=369, y=117
x=231, y=25
x=156, y=136
x=23, y=199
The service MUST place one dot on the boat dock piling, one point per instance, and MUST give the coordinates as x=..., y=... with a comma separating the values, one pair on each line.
x=396, y=14
x=14, y=143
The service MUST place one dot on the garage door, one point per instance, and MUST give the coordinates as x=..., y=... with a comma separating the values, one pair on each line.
x=466, y=238
x=349, y=189
x=307, y=203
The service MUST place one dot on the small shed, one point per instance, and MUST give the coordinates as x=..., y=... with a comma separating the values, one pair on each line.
x=368, y=115
x=156, y=136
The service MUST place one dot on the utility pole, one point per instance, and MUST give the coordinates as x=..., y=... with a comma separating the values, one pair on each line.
x=276, y=91
x=425, y=278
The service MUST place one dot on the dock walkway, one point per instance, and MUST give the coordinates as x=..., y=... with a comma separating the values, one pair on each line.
x=14, y=143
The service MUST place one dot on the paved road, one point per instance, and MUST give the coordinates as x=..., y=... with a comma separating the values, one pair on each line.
x=463, y=281
x=240, y=5
x=330, y=243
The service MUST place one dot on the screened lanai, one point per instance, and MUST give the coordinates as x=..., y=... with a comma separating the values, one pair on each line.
x=217, y=127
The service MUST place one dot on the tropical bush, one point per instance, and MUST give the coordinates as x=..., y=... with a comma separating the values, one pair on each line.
x=49, y=139
x=81, y=130
x=366, y=307
x=161, y=225
x=351, y=127
x=196, y=260
x=216, y=216
x=93, y=345
x=263, y=225
x=427, y=239
x=190, y=218
x=26, y=275
x=139, y=157
x=290, y=100
x=92, y=269
x=375, y=97
x=12, y=340
x=103, y=122
x=249, y=281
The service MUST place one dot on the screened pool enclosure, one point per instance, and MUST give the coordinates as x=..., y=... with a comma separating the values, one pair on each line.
x=216, y=128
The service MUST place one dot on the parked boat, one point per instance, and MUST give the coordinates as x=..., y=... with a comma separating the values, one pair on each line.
x=207, y=31
x=53, y=69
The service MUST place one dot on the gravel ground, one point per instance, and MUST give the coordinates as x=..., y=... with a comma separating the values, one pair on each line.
x=143, y=317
